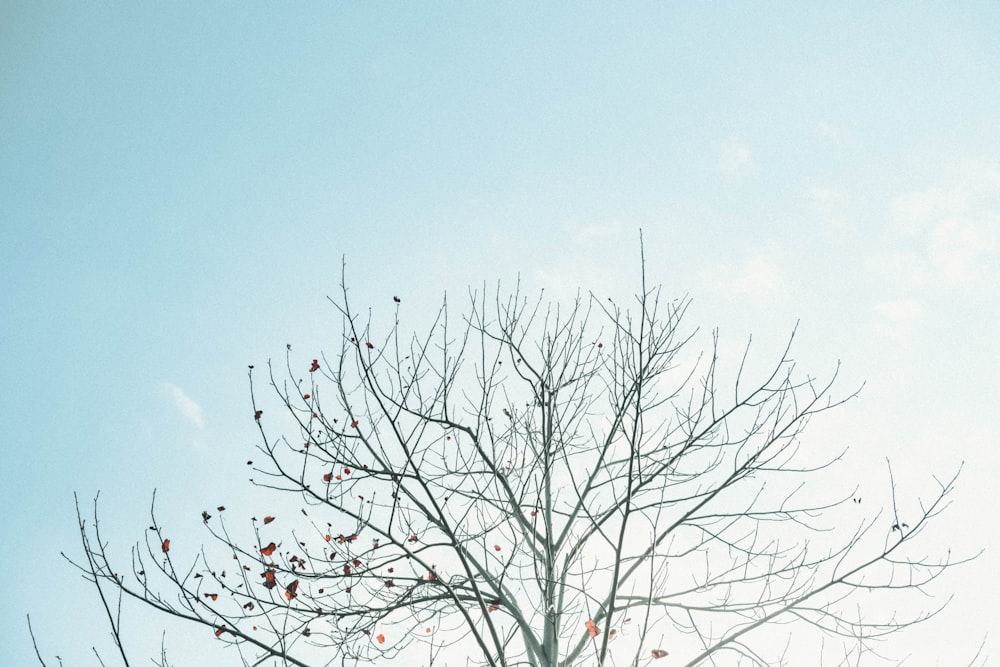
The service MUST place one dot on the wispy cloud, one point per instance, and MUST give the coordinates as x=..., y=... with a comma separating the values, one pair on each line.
x=902, y=269
x=958, y=249
x=735, y=158
x=830, y=205
x=185, y=405
x=898, y=320
x=836, y=135
x=954, y=225
x=584, y=232
x=758, y=274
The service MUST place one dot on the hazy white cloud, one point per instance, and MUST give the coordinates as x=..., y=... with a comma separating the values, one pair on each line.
x=958, y=249
x=954, y=223
x=758, y=274
x=825, y=198
x=902, y=269
x=582, y=232
x=735, y=158
x=831, y=206
x=836, y=135
x=898, y=320
x=185, y=405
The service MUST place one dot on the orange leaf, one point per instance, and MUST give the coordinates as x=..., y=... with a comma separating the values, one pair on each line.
x=269, y=580
x=327, y=538
x=290, y=590
x=166, y=546
x=369, y=346
x=219, y=631
x=269, y=549
x=381, y=639
x=268, y=519
x=592, y=629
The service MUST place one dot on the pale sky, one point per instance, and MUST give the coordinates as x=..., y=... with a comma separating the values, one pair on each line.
x=180, y=181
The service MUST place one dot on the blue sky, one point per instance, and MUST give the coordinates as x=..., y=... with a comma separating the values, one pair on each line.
x=179, y=183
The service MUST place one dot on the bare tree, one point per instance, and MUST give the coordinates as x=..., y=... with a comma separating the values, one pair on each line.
x=535, y=484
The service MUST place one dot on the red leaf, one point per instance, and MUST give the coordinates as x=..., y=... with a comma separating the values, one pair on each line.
x=220, y=508
x=219, y=631
x=381, y=639
x=269, y=580
x=315, y=366
x=592, y=629
x=166, y=546
x=306, y=396
x=291, y=588
x=327, y=477
x=269, y=549
x=496, y=547
x=354, y=424
x=347, y=471
x=268, y=519
x=659, y=653
x=214, y=596
x=369, y=346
